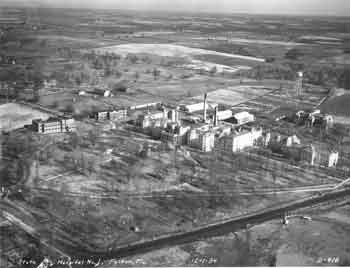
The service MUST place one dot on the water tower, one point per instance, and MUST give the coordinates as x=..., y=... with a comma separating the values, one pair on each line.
x=299, y=83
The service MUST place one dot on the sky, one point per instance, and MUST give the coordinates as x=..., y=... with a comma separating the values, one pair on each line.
x=301, y=7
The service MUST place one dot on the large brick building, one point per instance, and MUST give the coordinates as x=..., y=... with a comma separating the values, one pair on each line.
x=240, y=140
x=54, y=125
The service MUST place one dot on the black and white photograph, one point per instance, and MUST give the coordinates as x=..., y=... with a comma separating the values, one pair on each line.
x=174, y=133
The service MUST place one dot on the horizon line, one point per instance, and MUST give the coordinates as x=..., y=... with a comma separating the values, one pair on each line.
x=45, y=6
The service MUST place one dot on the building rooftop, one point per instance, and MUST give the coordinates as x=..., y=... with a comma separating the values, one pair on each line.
x=242, y=115
x=50, y=119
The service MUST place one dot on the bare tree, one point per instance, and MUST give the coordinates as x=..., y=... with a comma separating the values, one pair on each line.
x=156, y=73
x=213, y=70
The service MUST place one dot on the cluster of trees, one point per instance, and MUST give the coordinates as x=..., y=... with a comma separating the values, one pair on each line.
x=294, y=54
x=79, y=163
x=156, y=73
x=328, y=76
x=323, y=75
x=269, y=71
x=15, y=80
x=99, y=61
x=121, y=86
x=66, y=52
x=22, y=152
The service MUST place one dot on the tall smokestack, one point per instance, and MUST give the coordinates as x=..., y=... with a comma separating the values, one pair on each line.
x=216, y=116
x=165, y=113
x=177, y=115
x=205, y=108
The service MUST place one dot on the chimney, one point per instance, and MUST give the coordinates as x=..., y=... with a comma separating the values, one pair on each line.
x=165, y=113
x=205, y=108
x=216, y=116
x=177, y=114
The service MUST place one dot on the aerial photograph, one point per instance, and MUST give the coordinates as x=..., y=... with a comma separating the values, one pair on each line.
x=183, y=133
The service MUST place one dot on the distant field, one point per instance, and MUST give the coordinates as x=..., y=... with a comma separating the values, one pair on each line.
x=251, y=41
x=338, y=105
x=235, y=95
x=167, y=50
x=208, y=66
x=13, y=116
x=319, y=38
x=342, y=59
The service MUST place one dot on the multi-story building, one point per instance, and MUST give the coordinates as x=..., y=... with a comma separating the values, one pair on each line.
x=68, y=125
x=54, y=125
x=118, y=115
x=322, y=120
x=114, y=115
x=240, y=140
x=316, y=156
x=201, y=136
x=175, y=133
x=207, y=141
x=100, y=116
x=145, y=120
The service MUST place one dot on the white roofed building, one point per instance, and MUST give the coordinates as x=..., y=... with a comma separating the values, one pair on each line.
x=243, y=118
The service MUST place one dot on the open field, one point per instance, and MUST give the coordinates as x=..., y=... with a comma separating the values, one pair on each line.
x=13, y=115
x=232, y=96
x=337, y=104
x=249, y=41
x=166, y=50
